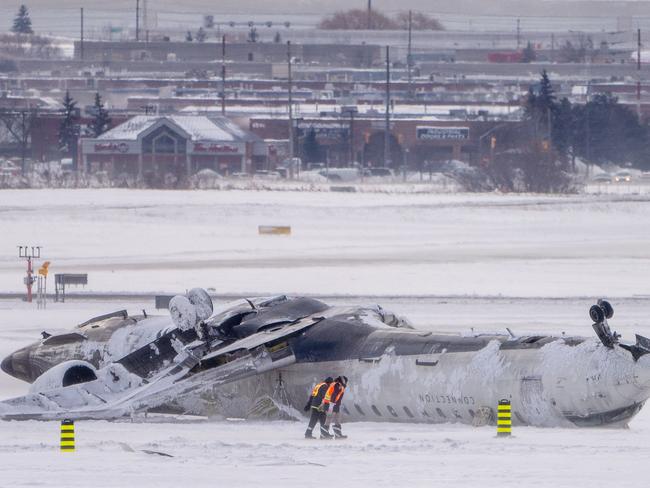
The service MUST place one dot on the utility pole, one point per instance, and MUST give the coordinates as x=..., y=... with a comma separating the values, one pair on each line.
x=638, y=69
x=137, y=20
x=81, y=39
x=518, y=33
x=369, y=14
x=350, y=110
x=387, y=160
x=145, y=19
x=223, y=75
x=409, y=59
x=352, y=158
x=588, y=128
x=553, y=47
x=23, y=145
x=290, y=92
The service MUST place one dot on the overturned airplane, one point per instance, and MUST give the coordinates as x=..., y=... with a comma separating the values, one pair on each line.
x=262, y=355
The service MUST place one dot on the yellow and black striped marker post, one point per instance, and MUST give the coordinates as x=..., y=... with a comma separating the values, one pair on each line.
x=67, y=435
x=504, y=420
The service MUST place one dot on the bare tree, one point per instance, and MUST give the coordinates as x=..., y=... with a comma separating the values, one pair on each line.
x=19, y=124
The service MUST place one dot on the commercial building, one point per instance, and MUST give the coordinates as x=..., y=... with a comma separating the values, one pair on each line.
x=414, y=141
x=151, y=148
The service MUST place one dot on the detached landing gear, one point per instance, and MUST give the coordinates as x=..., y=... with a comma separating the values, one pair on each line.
x=599, y=313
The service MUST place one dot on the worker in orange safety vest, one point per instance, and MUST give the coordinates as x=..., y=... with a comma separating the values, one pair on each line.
x=332, y=403
x=314, y=404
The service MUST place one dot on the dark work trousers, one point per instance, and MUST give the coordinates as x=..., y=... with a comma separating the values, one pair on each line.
x=316, y=416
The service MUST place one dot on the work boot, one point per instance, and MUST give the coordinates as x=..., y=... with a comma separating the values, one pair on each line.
x=324, y=433
x=308, y=434
x=338, y=434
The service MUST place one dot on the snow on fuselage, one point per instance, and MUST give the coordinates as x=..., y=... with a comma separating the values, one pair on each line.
x=560, y=382
x=395, y=373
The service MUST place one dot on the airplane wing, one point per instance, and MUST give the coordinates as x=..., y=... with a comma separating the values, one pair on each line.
x=119, y=392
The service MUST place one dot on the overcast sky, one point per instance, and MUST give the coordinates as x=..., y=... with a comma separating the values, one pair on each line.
x=275, y=5
x=487, y=7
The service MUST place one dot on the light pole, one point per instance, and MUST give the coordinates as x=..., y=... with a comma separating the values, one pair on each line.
x=350, y=110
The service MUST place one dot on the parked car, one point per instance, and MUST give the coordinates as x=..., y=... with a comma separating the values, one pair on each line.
x=7, y=168
x=267, y=175
x=623, y=176
x=380, y=172
x=340, y=174
x=602, y=178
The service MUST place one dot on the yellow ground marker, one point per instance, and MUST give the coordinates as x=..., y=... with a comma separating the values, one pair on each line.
x=504, y=419
x=67, y=435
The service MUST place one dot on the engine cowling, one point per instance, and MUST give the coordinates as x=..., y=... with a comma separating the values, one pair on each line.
x=67, y=373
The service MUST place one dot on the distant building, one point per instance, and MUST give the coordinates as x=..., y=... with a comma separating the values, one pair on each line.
x=414, y=141
x=151, y=147
x=347, y=54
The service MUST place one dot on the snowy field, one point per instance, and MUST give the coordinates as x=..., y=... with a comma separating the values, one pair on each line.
x=350, y=244
x=448, y=262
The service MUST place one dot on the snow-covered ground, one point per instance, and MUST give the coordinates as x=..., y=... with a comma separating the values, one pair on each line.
x=360, y=244
x=449, y=262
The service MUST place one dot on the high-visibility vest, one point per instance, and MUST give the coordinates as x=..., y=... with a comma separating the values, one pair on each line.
x=334, y=393
x=314, y=392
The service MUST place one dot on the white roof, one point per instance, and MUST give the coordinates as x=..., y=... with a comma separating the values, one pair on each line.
x=198, y=127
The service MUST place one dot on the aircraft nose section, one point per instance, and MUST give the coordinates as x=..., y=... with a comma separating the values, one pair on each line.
x=18, y=365
x=7, y=366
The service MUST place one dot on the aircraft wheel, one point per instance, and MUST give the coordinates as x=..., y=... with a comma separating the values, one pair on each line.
x=596, y=314
x=183, y=312
x=202, y=302
x=607, y=308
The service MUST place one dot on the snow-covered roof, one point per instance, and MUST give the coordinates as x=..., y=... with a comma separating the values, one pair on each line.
x=197, y=128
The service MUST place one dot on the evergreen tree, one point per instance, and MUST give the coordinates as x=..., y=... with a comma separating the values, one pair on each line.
x=607, y=131
x=563, y=128
x=546, y=98
x=528, y=55
x=201, y=35
x=101, y=120
x=278, y=38
x=22, y=22
x=188, y=37
x=540, y=107
x=68, y=133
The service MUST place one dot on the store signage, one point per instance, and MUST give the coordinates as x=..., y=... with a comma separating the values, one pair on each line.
x=214, y=148
x=442, y=133
x=111, y=147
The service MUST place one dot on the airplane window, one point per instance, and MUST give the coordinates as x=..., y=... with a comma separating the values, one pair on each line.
x=376, y=410
x=359, y=409
x=408, y=412
x=439, y=412
x=391, y=410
